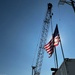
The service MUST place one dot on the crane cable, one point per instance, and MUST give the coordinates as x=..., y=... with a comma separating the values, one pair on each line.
x=59, y=14
x=56, y=62
x=55, y=54
x=52, y=36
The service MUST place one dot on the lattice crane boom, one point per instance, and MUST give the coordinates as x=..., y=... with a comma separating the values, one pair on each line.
x=48, y=17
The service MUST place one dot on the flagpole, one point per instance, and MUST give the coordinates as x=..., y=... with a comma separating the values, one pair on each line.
x=56, y=58
x=62, y=50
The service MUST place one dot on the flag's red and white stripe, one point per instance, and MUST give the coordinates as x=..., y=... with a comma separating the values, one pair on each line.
x=49, y=47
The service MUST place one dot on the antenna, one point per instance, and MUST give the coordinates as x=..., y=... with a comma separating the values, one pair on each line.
x=71, y=3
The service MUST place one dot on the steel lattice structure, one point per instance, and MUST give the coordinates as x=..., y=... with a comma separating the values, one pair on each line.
x=48, y=17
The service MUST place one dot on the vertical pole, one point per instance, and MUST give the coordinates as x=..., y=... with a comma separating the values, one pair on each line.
x=62, y=50
x=63, y=57
x=56, y=58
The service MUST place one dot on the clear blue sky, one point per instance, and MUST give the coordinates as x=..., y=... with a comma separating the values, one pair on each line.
x=20, y=29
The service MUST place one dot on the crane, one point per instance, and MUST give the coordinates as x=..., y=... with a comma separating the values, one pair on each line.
x=37, y=68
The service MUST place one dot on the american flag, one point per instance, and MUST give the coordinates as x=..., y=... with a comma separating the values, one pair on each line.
x=49, y=47
x=53, y=42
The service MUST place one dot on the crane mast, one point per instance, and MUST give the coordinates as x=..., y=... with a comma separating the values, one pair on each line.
x=37, y=69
